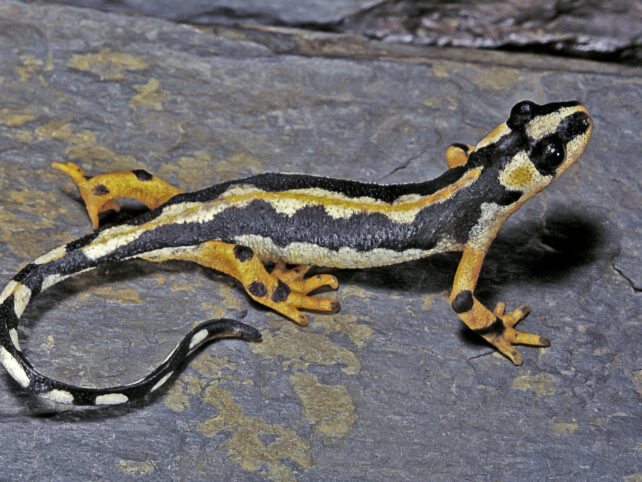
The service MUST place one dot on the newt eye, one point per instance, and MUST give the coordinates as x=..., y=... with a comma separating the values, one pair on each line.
x=521, y=113
x=547, y=155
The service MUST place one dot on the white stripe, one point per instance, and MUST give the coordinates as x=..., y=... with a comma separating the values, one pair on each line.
x=53, y=279
x=308, y=253
x=13, y=334
x=52, y=255
x=13, y=367
x=198, y=337
x=111, y=399
x=60, y=396
x=8, y=290
x=161, y=382
x=22, y=295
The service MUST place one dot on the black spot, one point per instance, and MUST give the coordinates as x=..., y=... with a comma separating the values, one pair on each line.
x=463, y=147
x=24, y=272
x=257, y=289
x=496, y=328
x=521, y=113
x=243, y=253
x=100, y=190
x=142, y=175
x=463, y=302
x=281, y=292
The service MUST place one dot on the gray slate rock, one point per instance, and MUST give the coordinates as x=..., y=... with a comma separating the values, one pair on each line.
x=390, y=388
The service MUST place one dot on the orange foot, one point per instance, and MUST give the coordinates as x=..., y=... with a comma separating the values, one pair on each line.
x=298, y=287
x=504, y=337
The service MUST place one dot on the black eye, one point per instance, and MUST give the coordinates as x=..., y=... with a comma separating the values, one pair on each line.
x=547, y=155
x=521, y=113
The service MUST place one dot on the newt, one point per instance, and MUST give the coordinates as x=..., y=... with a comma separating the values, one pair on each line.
x=239, y=226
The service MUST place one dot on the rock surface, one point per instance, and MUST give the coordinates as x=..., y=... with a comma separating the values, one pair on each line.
x=595, y=29
x=390, y=388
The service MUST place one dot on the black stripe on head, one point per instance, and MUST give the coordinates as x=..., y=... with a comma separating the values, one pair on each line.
x=463, y=147
x=142, y=175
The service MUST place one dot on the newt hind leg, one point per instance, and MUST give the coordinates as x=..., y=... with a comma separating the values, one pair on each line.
x=101, y=192
x=285, y=291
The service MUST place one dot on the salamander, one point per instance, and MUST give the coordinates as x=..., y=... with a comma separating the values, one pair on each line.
x=239, y=226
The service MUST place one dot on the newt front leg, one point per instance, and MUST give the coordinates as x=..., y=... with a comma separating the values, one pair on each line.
x=495, y=327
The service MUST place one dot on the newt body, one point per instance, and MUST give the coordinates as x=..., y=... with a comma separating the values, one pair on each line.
x=237, y=226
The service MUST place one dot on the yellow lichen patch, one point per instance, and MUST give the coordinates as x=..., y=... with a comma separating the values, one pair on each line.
x=107, y=64
x=543, y=384
x=301, y=346
x=123, y=296
x=633, y=478
x=245, y=447
x=212, y=367
x=14, y=120
x=136, y=466
x=30, y=64
x=176, y=399
x=563, y=427
x=189, y=169
x=429, y=299
x=637, y=380
x=82, y=146
x=347, y=324
x=329, y=407
x=443, y=69
x=150, y=95
x=499, y=78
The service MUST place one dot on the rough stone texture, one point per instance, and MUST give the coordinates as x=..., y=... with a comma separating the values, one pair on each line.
x=390, y=388
x=596, y=29
x=274, y=12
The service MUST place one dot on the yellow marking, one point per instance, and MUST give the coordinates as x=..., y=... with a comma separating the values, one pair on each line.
x=337, y=205
x=492, y=217
x=521, y=175
x=499, y=132
x=543, y=125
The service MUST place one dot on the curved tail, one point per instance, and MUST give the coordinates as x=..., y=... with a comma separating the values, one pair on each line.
x=52, y=268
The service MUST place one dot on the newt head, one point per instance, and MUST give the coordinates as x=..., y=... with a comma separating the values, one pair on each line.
x=536, y=144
